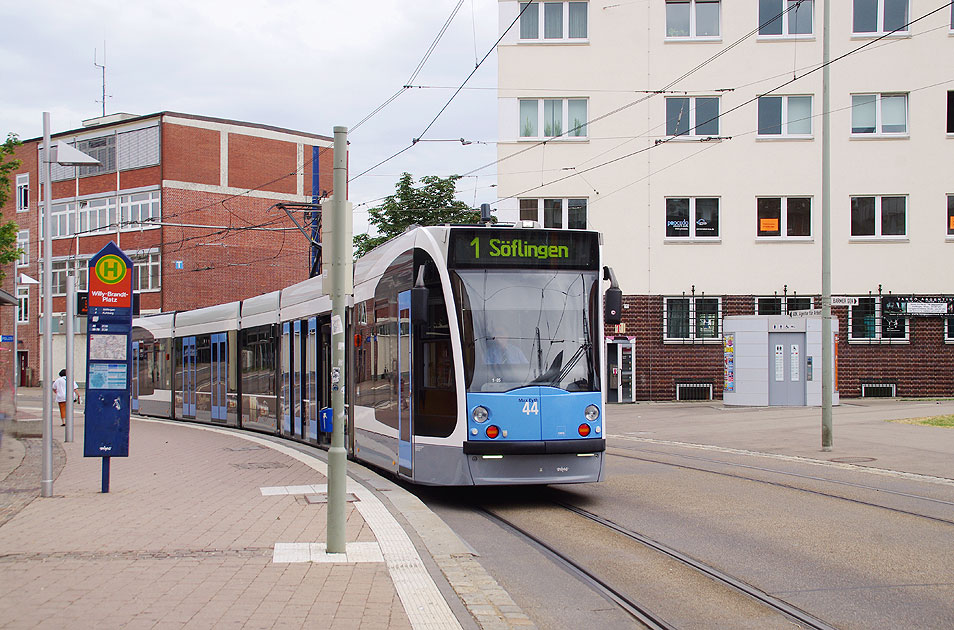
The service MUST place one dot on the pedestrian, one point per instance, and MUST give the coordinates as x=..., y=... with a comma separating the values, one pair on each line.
x=59, y=388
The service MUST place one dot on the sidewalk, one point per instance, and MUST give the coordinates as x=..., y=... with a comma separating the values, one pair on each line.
x=208, y=528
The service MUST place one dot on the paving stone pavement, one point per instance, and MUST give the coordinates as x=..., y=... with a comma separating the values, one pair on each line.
x=187, y=536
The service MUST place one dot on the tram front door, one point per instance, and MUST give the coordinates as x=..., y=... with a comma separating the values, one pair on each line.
x=405, y=402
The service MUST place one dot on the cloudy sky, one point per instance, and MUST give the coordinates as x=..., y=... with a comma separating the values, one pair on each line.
x=306, y=65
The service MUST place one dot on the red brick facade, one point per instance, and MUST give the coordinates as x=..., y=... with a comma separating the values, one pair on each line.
x=225, y=261
x=922, y=366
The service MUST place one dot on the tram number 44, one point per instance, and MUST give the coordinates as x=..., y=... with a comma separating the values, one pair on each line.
x=531, y=407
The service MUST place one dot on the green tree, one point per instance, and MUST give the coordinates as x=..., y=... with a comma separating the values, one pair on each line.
x=8, y=230
x=431, y=203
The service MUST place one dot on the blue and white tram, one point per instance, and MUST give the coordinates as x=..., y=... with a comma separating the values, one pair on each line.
x=474, y=360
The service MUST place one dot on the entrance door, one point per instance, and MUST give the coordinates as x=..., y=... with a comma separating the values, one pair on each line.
x=220, y=366
x=405, y=404
x=134, y=386
x=311, y=379
x=285, y=350
x=188, y=377
x=619, y=370
x=296, y=394
x=23, y=358
x=787, y=369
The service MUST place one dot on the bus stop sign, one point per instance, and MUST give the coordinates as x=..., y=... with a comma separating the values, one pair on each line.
x=108, y=354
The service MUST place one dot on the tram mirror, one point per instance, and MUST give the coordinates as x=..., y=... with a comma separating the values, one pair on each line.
x=419, y=305
x=613, y=308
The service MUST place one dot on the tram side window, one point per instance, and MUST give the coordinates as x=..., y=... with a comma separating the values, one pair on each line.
x=397, y=278
x=370, y=378
x=203, y=373
x=259, y=366
x=436, y=403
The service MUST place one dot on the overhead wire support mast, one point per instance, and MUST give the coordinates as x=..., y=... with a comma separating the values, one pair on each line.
x=311, y=212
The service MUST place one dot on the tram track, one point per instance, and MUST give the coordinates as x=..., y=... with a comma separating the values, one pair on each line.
x=648, y=615
x=613, y=451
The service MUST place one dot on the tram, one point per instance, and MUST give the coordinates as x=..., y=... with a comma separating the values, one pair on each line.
x=473, y=358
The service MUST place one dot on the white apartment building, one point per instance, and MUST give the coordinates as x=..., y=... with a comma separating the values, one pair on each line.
x=689, y=133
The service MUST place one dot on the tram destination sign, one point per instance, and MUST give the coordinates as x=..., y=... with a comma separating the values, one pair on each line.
x=473, y=248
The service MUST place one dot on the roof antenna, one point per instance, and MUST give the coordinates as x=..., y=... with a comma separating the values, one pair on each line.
x=103, y=67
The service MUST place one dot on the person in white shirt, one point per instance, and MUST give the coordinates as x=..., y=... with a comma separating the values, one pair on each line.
x=59, y=388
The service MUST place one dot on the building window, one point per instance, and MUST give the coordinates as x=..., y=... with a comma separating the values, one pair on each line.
x=692, y=19
x=557, y=213
x=787, y=116
x=23, y=305
x=23, y=192
x=692, y=116
x=140, y=208
x=552, y=116
x=62, y=268
x=692, y=218
x=561, y=21
x=950, y=109
x=878, y=216
x=879, y=113
x=788, y=217
x=23, y=244
x=63, y=217
x=104, y=150
x=949, y=329
x=692, y=318
x=950, y=215
x=868, y=321
x=879, y=16
x=96, y=215
x=781, y=305
x=147, y=272
x=786, y=17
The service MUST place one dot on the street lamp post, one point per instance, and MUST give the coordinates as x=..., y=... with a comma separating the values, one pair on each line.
x=64, y=155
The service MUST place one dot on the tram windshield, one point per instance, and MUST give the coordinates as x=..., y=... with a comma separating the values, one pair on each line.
x=528, y=328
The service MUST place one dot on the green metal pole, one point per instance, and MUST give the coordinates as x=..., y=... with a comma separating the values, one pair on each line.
x=827, y=367
x=340, y=277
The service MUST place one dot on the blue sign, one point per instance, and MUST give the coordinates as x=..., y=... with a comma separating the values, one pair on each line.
x=108, y=356
x=6, y=338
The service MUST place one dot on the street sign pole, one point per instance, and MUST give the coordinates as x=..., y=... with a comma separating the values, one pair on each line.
x=108, y=357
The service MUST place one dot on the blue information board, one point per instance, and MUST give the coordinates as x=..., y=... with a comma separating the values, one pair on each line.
x=108, y=355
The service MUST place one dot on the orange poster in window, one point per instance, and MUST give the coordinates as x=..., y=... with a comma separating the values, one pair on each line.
x=768, y=225
x=952, y=224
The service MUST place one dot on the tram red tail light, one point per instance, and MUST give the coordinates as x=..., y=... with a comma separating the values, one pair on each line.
x=493, y=431
x=584, y=430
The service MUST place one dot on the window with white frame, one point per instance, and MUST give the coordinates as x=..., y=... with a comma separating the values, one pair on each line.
x=23, y=244
x=873, y=319
x=139, y=208
x=949, y=329
x=23, y=192
x=875, y=17
x=783, y=217
x=692, y=116
x=693, y=19
x=561, y=21
x=776, y=305
x=63, y=220
x=950, y=109
x=23, y=305
x=63, y=268
x=147, y=268
x=785, y=116
x=879, y=216
x=553, y=118
x=786, y=18
x=879, y=114
x=96, y=215
x=692, y=218
x=557, y=213
x=692, y=318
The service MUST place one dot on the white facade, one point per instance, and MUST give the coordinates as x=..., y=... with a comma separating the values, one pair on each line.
x=626, y=166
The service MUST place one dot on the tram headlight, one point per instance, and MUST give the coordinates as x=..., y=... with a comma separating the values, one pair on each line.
x=480, y=414
x=592, y=412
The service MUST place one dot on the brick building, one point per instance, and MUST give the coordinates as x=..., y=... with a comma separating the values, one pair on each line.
x=191, y=199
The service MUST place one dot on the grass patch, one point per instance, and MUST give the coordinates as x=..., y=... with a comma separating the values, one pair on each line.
x=932, y=421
